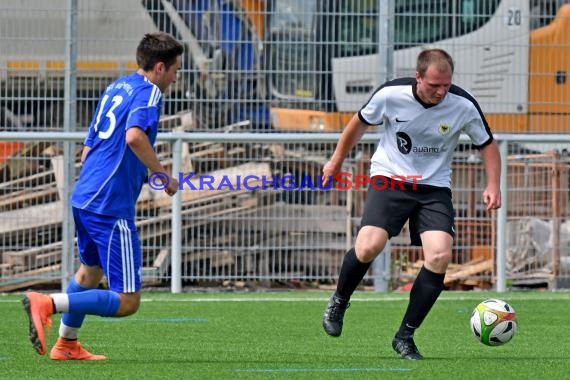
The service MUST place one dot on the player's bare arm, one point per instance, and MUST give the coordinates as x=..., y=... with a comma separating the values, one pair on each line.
x=348, y=139
x=492, y=163
x=84, y=153
x=140, y=145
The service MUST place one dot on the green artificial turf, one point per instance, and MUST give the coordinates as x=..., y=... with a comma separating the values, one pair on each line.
x=278, y=335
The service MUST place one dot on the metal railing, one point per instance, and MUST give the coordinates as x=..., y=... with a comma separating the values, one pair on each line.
x=176, y=142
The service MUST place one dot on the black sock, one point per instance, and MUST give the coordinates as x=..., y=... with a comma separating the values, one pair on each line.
x=425, y=291
x=351, y=273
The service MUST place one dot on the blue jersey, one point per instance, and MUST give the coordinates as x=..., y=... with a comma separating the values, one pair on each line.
x=112, y=175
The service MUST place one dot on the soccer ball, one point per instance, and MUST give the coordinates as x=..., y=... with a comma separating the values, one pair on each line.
x=493, y=322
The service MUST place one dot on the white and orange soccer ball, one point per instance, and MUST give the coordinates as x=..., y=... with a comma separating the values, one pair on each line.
x=494, y=322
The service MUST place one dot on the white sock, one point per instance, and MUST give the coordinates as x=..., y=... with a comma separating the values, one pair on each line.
x=68, y=332
x=61, y=302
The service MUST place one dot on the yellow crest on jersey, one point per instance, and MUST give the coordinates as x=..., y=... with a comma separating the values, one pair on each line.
x=444, y=129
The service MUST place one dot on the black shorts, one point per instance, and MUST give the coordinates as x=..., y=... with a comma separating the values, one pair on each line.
x=428, y=208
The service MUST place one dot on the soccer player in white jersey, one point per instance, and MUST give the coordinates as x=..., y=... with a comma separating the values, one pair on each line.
x=117, y=156
x=423, y=119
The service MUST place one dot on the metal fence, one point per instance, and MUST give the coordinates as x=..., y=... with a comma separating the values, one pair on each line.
x=251, y=208
x=283, y=65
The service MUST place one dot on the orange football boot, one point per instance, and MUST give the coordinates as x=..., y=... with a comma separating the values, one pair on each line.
x=39, y=308
x=72, y=350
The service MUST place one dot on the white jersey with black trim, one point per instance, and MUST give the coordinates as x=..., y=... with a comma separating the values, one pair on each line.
x=420, y=138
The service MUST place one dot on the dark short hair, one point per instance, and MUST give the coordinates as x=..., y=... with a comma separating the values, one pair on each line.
x=158, y=47
x=439, y=57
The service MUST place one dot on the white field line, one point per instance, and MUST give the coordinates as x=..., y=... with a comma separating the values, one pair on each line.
x=404, y=297
x=305, y=370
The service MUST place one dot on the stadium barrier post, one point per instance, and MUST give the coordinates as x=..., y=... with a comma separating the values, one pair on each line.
x=176, y=252
x=502, y=220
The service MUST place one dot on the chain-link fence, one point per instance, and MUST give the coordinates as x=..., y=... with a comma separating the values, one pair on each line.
x=252, y=208
x=285, y=65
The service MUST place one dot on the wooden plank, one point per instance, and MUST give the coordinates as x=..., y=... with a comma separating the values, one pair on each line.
x=20, y=274
x=301, y=218
x=5, y=270
x=162, y=262
x=454, y=268
x=27, y=182
x=469, y=270
x=31, y=259
x=305, y=242
x=21, y=258
x=482, y=252
x=48, y=258
x=216, y=259
x=40, y=271
x=180, y=122
x=28, y=197
x=31, y=217
x=478, y=283
x=18, y=165
x=44, y=248
x=155, y=198
x=27, y=283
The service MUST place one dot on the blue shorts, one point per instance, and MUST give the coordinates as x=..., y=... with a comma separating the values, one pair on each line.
x=112, y=244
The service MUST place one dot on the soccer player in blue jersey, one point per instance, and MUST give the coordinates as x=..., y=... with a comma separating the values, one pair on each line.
x=117, y=156
x=423, y=119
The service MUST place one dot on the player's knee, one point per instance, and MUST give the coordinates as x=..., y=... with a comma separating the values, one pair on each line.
x=128, y=310
x=444, y=257
x=367, y=253
x=130, y=304
x=367, y=250
x=369, y=243
x=88, y=277
x=438, y=261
